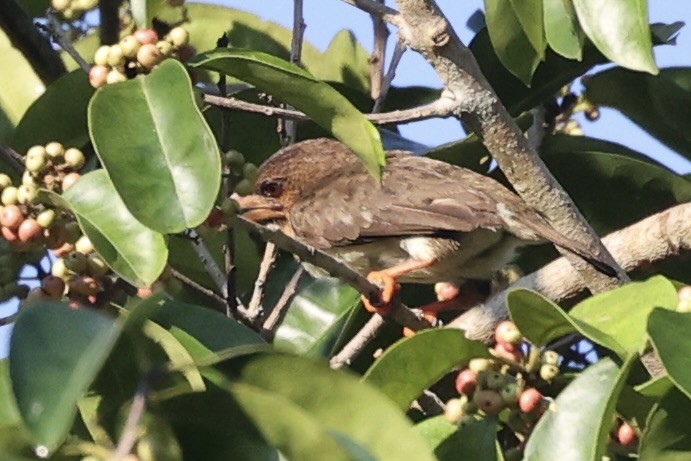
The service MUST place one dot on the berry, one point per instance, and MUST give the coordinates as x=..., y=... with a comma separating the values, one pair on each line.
x=9, y=196
x=478, y=365
x=146, y=36
x=242, y=188
x=507, y=332
x=36, y=159
x=495, y=380
x=215, y=218
x=84, y=245
x=684, y=296
x=60, y=5
x=96, y=266
x=84, y=286
x=165, y=48
x=58, y=269
x=115, y=56
x=5, y=181
x=626, y=434
x=530, y=400
x=229, y=207
x=9, y=234
x=453, y=411
x=489, y=401
x=509, y=393
x=11, y=217
x=502, y=351
x=98, y=76
x=549, y=371
x=466, y=382
x=115, y=76
x=72, y=232
x=46, y=218
x=186, y=52
x=69, y=180
x=29, y=230
x=592, y=114
x=234, y=159
x=446, y=291
x=28, y=179
x=250, y=172
x=179, y=36
x=145, y=292
x=53, y=286
x=129, y=46
x=550, y=357
x=27, y=194
x=54, y=149
x=149, y=56
x=74, y=158
x=76, y=262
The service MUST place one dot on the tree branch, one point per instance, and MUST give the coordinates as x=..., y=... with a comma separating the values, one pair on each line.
x=652, y=239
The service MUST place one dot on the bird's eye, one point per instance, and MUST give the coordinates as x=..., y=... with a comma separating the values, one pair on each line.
x=271, y=188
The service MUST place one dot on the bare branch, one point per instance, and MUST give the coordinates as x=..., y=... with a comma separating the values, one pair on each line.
x=295, y=57
x=254, y=308
x=378, y=57
x=281, y=304
x=56, y=31
x=196, y=286
x=12, y=158
x=358, y=342
x=655, y=238
x=390, y=74
x=134, y=416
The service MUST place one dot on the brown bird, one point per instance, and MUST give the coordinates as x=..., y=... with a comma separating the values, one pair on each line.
x=428, y=222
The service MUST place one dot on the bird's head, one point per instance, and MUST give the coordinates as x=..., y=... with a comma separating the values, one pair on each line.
x=288, y=173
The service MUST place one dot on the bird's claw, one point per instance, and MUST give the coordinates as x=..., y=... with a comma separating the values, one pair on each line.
x=388, y=286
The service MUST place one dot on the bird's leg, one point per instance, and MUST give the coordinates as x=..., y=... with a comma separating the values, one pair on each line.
x=386, y=279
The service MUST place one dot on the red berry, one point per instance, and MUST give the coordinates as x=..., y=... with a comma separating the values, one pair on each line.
x=489, y=401
x=84, y=286
x=446, y=291
x=29, y=230
x=69, y=180
x=500, y=349
x=53, y=286
x=98, y=76
x=215, y=218
x=466, y=382
x=9, y=234
x=507, y=332
x=529, y=400
x=146, y=36
x=627, y=434
x=145, y=292
x=11, y=217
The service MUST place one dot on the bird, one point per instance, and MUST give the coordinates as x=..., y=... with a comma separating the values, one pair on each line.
x=428, y=221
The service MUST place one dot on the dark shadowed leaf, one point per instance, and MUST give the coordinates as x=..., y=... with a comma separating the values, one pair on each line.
x=669, y=333
x=475, y=442
x=55, y=354
x=159, y=152
x=622, y=313
x=576, y=427
x=619, y=29
x=668, y=435
x=542, y=321
x=413, y=364
x=59, y=114
x=295, y=86
x=661, y=105
x=132, y=250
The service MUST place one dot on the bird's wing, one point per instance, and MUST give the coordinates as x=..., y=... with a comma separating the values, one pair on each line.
x=418, y=196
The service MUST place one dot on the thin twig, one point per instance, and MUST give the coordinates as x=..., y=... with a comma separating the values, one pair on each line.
x=295, y=57
x=12, y=158
x=358, y=342
x=430, y=403
x=196, y=286
x=131, y=428
x=390, y=74
x=254, y=309
x=9, y=319
x=442, y=107
x=282, y=304
x=56, y=31
x=378, y=57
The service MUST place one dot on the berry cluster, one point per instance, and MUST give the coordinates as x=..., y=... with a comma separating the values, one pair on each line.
x=138, y=54
x=73, y=9
x=242, y=176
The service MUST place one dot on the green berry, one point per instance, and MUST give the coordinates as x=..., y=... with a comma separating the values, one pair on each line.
x=9, y=196
x=96, y=266
x=234, y=159
x=510, y=393
x=84, y=245
x=548, y=371
x=76, y=262
x=60, y=5
x=550, y=357
x=129, y=46
x=72, y=232
x=230, y=207
x=165, y=48
x=115, y=76
x=59, y=269
x=495, y=380
x=250, y=171
x=115, y=56
x=101, y=55
x=5, y=181
x=55, y=149
x=179, y=36
x=478, y=365
x=46, y=218
x=74, y=158
x=453, y=411
x=489, y=401
x=244, y=187
x=27, y=194
x=28, y=179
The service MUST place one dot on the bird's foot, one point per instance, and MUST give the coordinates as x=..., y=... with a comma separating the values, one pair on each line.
x=389, y=288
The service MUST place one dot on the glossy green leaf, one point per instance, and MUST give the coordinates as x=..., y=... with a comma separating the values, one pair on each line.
x=59, y=114
x=132, y=250
x=562, y=31
x=669, y=333
x=622, y=313
x=413, y=364
x=475, y=442
x=297, y=87
x=35, y=7
x=576, y=427
x=656, y=387
x=315, y=318
x=336, y=401
x=530, y=16
x=542, y=321
x=551, y=75
x=619, y=29
x=55, y=354
x=660, y=106
x=510, y=42
x=668, y=435
x=635, y=189
x=159, y=152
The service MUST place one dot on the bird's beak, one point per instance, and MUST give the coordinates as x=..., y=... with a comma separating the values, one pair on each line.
x=258, y=208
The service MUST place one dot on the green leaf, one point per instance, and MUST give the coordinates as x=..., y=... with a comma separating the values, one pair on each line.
x=619, y=29
x=655, y=388
x=562, y=30
x=542, y=321
x=510, y=42
x=59, y=114
x=669, y=333
x=316, y=317
x=413, y=364
x=143, y=11
x=622, y=313
x=660, y=106
x=336, y=401
x=530, y=16
x=132, y=250
x=667, y=436
x=159, y=152
x=476, y=442
x=576, y=427
x=55, y=354
x=297, y=87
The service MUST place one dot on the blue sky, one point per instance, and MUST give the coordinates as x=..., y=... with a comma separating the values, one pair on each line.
x=324, y=18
